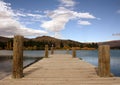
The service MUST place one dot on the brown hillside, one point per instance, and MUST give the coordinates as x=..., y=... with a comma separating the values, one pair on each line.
x=56, y=41
x=4, y=39
x=114, y=43
x=45, y=38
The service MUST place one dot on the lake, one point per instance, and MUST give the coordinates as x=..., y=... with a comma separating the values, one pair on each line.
x=90, y=56
x=6, y=64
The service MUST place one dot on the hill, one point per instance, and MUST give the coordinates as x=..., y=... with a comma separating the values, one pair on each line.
x=40, y=42
x=58, y=43
x=45, y=38
x=113, y=44
x=4, y=39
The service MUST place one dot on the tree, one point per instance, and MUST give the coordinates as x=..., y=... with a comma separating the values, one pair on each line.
x=2, y=45
x=61, y=44
x=81, y=45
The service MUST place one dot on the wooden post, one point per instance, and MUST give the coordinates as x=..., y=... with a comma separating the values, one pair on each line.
x=52, y=50
x=46, y=51
x=7, y=46
x=73, y=52
x=104, y=61
x=67, y=52
x=17, y=57
x=10, y=45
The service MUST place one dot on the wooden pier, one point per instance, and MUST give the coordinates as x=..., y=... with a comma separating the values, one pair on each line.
x=61, y=69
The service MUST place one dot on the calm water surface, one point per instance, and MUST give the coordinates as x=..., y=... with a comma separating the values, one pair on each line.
x=6, y=64
x=90, y=56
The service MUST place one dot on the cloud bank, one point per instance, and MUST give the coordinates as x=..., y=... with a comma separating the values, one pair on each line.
x=9, y=25
x=59, y=17
x=12, y=22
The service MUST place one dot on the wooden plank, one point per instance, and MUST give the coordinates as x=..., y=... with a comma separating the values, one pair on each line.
x=61, y=69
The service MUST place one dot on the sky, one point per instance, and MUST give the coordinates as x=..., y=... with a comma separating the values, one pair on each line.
x=79, y=20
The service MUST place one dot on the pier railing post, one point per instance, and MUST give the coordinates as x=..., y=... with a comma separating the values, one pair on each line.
x=73, y=52
x=52, y=50
x=46, y=51
x=104, y=61
x=67, y=51
x=17, y=71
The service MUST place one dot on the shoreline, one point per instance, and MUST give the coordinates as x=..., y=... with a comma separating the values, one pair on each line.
x=37, y=59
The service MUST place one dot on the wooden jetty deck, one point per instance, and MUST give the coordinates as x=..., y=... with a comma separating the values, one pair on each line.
x=61, y=69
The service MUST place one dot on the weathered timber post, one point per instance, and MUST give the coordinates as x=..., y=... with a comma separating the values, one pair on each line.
x=17, y=57
x=10, y=46
x=52, y=50
x=46, y=51
x=67, y=51
x=104, y=61
x=73, y=52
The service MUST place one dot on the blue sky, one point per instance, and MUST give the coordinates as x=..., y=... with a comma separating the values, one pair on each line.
x=80, y=20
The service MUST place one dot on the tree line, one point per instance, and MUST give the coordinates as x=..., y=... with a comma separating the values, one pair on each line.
x=40, y=45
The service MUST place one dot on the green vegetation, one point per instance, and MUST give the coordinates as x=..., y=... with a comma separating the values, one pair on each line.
x=40, y=45
x=2, y=45
x=92, y=45
x=36, y=45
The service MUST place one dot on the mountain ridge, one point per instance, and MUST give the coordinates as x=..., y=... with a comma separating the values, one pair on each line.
x=59, y=42
x=112, y=43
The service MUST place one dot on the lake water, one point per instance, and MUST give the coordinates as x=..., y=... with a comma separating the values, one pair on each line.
x=90, y=56
x=6, y=64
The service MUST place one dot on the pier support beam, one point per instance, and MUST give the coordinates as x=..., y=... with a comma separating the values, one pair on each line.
x=46, y=51
x=73, y=52
x=67, y=51
x=52, y=50
x=17, y=71
x=104, y=61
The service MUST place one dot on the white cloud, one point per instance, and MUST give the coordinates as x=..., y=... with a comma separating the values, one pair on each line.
x=61, y=16
x=58, y=18
x=118, y=11
x=58, y=35
x=9, y=26
x=28, y=16
x=67, y=3
x=34, y=15
x=57, y=23
x=116, y=34
x=4, y=13
x=83, y=15
x=84, y=22
x=73, y=14
x=21, y=14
